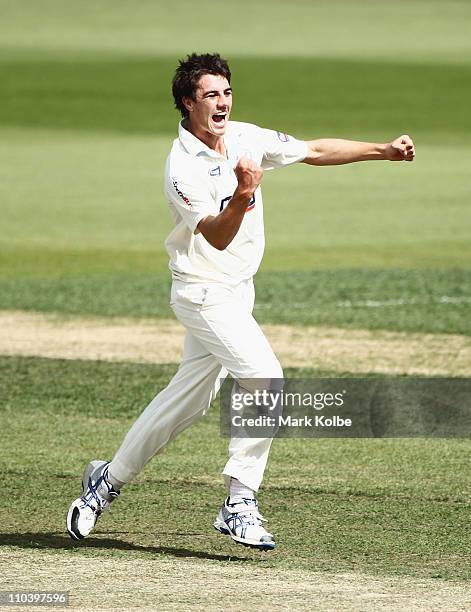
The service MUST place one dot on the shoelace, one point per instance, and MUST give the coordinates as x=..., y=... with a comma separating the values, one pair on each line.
x=92, y=495
x=251, y=510
x=255, y=513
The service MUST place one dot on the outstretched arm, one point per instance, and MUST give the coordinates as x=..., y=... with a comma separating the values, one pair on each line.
x=335, y=151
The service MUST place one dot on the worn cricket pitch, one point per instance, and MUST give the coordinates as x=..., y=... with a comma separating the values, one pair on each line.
x=170, y=584
x=161, y=340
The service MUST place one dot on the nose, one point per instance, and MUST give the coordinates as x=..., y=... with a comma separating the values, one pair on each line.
x=223, y=102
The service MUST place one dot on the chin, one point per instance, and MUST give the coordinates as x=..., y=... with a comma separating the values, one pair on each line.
x=218, y=130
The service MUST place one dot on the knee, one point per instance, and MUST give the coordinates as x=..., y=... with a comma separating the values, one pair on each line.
x=279, y=372
x=269, y=370
x=269, y=377
x=274, y=374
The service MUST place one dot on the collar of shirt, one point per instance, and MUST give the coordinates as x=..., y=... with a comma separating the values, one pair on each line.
x=195, y=146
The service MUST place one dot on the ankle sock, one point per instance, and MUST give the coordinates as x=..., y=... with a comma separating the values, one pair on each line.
x=239, y=490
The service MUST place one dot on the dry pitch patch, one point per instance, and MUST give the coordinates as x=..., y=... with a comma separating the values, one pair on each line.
x=161, y=341
x=177, y=584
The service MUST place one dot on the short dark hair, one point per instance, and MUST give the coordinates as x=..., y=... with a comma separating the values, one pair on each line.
x=189, y=72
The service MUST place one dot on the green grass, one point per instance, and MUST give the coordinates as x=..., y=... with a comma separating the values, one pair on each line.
x=435, y=301
x=86, y=121
x=132, y=95
x=83, y=151
x=403, y=300
x=67, y=196
x=374, y=506
x=425, y=30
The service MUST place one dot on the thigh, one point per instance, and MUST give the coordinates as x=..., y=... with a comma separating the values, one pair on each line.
x=200, y=365
x=221, y=322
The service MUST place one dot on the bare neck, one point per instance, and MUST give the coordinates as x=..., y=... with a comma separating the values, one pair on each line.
x=210, y=140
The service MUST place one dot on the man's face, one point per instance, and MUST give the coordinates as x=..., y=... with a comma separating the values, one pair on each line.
x=210, y=110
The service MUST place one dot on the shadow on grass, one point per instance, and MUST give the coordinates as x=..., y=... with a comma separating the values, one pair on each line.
x=55, y=541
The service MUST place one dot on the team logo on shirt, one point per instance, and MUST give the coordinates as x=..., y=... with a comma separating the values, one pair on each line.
x=215, y=171
x=283, y=137
x=225, y=202
x=180, y=192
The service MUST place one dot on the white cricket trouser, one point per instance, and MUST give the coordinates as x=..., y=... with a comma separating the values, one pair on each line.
x=222, y=336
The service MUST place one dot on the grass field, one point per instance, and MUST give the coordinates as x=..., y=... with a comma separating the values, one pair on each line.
x=374, y=507
x=86, y=121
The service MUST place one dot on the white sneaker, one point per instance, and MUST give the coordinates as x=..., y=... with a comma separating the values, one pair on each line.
x=97, y=496
x=241, y=520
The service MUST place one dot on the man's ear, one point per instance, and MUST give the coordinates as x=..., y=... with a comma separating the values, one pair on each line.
x=188, y=103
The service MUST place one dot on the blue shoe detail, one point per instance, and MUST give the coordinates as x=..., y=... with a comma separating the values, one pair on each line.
x=242, y=521
x=97, y=496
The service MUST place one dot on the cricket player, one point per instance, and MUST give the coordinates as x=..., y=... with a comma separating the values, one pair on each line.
x=212, y=183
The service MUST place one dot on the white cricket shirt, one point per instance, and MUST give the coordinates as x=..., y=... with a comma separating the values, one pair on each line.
x=199, y=182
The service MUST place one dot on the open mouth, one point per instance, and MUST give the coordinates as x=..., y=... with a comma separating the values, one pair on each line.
x=219, y=118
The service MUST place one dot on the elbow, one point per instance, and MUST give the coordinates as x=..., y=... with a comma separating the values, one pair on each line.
x=219, y=242
x=216, y=242
x=319, y=153
x=219, y=245
x=212, y=234
x=314, y=157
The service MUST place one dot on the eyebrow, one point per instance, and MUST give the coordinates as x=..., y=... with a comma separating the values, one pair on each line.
x=206, y=93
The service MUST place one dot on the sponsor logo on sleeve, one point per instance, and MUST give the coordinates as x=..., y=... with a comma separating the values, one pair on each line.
x=180, y=192
x=283, y=137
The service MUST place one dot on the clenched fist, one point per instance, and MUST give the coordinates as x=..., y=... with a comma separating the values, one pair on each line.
x=400, y=149
x=249, y=176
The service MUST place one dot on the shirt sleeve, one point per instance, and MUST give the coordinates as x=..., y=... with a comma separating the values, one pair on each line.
x=190, y=197
x=280, y=149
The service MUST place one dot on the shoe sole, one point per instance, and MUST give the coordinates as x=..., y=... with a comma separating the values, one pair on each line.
x=72, y=518
x=73, y=513
x=222, y=528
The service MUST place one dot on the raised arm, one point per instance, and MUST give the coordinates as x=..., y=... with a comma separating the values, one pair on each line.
x=221, y=229
x=335, y=151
